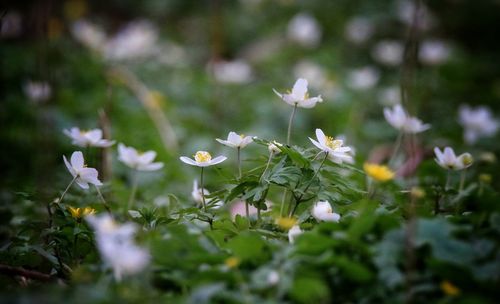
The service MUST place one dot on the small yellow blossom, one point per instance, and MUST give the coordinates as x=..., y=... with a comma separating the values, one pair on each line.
x=78, y=213
x=286, y=223
x=378, y=172
x=417, y=192
x=449, y=289
x=232, y=262
x=485, y=178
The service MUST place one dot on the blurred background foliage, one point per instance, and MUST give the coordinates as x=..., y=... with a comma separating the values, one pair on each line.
x=209, y=67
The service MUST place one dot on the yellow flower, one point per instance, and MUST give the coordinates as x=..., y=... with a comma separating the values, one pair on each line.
x=232, y=262
x=378, y=172
x=78, y=213
x=449, y=289
x=286, y=223
x=485, y=178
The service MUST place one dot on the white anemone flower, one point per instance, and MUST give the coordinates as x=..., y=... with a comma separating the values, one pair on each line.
x=117, y=247
x=448, y=160
x=293, y=233
x=400, y=120
x=322, y=211
x=235, y=140
x=299, y=96
x=90, y=138
x=203, y=159
x=477, y=122
x=81, y=173
x=137, y=160
x=337, y=152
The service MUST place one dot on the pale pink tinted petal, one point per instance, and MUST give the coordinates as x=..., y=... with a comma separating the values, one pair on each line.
x=188, y=161
x=147, y=157
x=94, y=135
x=234, y=138
x=77, y=161
x=310, y=102
x=90, y=175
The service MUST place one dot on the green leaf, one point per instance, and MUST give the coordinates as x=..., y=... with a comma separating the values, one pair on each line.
x=247, y=246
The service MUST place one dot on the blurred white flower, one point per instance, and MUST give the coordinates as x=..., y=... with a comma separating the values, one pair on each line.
x=359, y=29
x=363, y=78
x=400, y=120
x=89, y=35
x=273, y=147
x=293, y=233
x=448, y=160
x=406, y=11
x=235, y=140
x=477, y=122
x=337, y=153
x=117, y=247
x=11, y=25
x=236, y=71
x=389, y=96
x=37, y=91
x=81, y=173
x=322, y=211
x=136, y=160
x=273, y=277
x=203, y=159
x=309, y=70
x=90, y=138
x=136, y=39
x=434, y=52
x=304, y=30
x=299, y=96
x=388, y=52
x=239, y=208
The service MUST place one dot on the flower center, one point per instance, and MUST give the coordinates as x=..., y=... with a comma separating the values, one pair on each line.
x=333, y=143
x=202, y=157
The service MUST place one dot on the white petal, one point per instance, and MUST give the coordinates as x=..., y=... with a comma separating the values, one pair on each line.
x=188, y=161
x=147, y=157
x=94, y=135
x=317, y=144
x=277, y=93
x=225, y=142
x=321, y=137
x=234, y=138
x=77, y=161
x=68, y=165
x=151, y=167
x=217, y=160
x=83, y=184
x=299, y=89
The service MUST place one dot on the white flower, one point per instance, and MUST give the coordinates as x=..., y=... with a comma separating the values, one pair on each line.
x=433, y=52
x=203, y=159
x=399, y=119
x=236, y=71
x=304, y=30
x=448, y=160
x=359, y=29
x=37, y=91
x=273, y=147
x=363, y=78
x=89, y=35
x=116, y=246
x=273, y=277
x=136, y=39
x=478, y=122
x=299, y=96
x=293, y=233
x=388, y=52
x=136, y=160
x=91, y=138
x=337, y=153
x=235, y=140
x=83, y=175
x=309, y=70
x=322, y=211
x=406, y=12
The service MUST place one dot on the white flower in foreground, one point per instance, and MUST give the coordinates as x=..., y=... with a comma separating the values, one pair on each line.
x=137, y=160
x=117, y=247
x=299, y=96
x=203, y=159
x=337, y=153
x=37, y=91
x=235, y=140
x=305, y=30
x=448, y=160
x=399, y=119
x=478, y=122
x=83, y=175
x=293, y=233
x=322, y=211
x=90, y=138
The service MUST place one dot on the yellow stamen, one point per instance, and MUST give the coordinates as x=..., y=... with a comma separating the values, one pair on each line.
x=78, y=213
x=232, y=262
x=449, y=289
x=286, y=223
x=378, y=172
x=333, y=143
x=202, y=157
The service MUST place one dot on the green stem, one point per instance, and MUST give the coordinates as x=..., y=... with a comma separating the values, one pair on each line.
x=67, y=188
x=290, y=124
x=239, y=163
x=462, y=180
x=283, y=199
x=103, y=200
x=134, y=190
x=397, y=145
x=267, y=166
x=447, y=185
x=202, y=192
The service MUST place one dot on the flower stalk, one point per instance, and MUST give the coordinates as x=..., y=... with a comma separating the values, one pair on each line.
x=202, y=192
x=290, y=122
x=134, y=190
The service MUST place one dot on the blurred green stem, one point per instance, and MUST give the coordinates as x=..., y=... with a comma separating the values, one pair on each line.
x=239, y=163
x=134, y=190
x=397, y=145
x=202, y=192
x=103, y=200
x=462, y=180
x=290, y=122
x=67, y=188
x=448, y=177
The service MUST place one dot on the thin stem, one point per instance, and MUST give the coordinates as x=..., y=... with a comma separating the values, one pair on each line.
x=462, y=180
x=202, y=192
x=283, y=199
x=134, y=190
x=247, y=208
x=290, y=124
x=67, y=188
x=267, y=166
x=239, y=163
x=370, y=187
x=103, y=200
x=397, y=145
x=448, y=177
